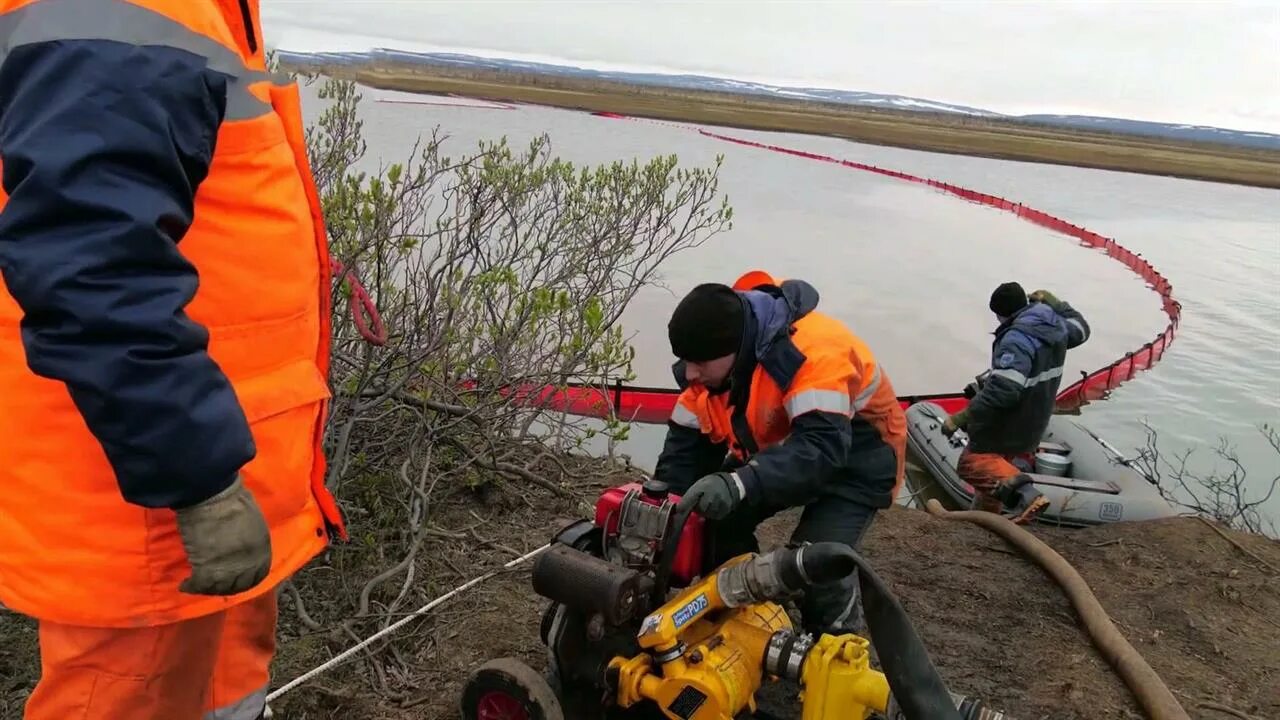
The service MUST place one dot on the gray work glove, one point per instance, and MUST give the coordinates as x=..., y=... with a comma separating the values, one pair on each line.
x=714, y=496
x=227, y=543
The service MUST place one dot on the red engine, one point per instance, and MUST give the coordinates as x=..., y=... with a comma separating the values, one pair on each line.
x=636, y=520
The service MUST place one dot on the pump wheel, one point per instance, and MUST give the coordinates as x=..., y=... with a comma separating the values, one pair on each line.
x=507, y=689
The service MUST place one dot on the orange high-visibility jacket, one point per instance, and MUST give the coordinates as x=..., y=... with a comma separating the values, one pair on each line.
x=810, y=411
x=164, y=310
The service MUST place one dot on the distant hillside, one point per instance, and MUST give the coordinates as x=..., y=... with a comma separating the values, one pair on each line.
x=1190, y=133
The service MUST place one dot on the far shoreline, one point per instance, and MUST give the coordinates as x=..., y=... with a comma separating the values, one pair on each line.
x=916, y=130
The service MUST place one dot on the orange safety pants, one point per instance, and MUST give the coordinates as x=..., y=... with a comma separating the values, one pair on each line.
x=213, y=667
x=984, y=471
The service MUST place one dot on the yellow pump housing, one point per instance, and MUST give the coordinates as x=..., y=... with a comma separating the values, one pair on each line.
x=714, y=658
x=838, y=681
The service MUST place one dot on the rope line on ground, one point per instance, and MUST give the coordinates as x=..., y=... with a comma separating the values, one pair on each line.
x=337, y=659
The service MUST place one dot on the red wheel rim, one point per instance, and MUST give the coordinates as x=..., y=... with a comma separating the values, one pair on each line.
x=497, y=705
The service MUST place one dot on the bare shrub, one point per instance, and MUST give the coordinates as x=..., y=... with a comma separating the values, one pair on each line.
x=494, y=271
x=1223, y=494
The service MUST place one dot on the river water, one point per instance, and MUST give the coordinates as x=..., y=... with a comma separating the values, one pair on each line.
x=910, y=269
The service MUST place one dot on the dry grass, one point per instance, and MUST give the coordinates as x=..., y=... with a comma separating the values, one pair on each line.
x=935, y=132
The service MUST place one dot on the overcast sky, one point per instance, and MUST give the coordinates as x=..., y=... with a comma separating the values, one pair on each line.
x=1211, y=63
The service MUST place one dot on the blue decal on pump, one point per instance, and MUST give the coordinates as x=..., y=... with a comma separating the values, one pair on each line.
x=690, y=610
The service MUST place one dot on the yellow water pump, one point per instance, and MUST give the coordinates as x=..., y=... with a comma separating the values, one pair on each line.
x=703, y=664
x=620, y=645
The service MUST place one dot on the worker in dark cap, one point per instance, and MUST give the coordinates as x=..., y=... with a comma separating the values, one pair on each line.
x=781, y=407
x=1013, y=400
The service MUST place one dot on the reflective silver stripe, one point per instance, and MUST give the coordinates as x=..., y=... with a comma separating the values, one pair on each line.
x=1045, y=376
x=250, y=708
x=737, y=481
x=682, y=415
x=1023, y=380
x=865, y=396
x=833, y=401
x=1011, y=374
x=123, y=22
x=1079, y=326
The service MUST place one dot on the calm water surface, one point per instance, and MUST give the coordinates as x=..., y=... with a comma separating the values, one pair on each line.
x=910, y=269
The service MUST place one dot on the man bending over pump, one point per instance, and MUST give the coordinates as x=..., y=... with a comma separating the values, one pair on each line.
x=781, y=406
x=1013, y=400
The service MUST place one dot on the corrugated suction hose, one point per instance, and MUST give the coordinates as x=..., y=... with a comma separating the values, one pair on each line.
x=1154, y=696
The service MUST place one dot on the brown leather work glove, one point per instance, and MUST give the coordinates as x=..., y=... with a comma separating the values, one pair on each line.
x=956, y=422
x=227, y=543
x=1045, y=297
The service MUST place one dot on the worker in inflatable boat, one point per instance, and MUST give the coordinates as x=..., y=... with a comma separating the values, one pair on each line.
x=781, y=407
x=164, y=342
x=1012, y=402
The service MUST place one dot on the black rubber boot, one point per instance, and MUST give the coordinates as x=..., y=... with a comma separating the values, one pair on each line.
x=1020, y=497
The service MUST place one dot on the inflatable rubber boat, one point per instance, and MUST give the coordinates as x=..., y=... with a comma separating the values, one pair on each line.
x=1085, y=480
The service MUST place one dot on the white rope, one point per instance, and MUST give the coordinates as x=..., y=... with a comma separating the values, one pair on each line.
x=398, y=624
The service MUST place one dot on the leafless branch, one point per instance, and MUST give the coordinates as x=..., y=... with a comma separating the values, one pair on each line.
x=497, y=271
x=1222, y=494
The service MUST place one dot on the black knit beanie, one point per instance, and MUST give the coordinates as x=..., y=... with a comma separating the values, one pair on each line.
x=1008, y=299
x=707, y=324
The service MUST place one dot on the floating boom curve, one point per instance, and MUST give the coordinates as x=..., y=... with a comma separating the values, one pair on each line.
x=654, y=405
x=1093, y=385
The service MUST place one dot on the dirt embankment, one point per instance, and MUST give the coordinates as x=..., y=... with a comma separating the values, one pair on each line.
x=1204, y=614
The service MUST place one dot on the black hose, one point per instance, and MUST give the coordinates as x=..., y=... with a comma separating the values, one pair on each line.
x=826, y=562
x=914, y=681
x=910, y=672
x=916, y=687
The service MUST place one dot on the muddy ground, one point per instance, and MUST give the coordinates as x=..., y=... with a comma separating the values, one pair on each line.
x=1205, y=614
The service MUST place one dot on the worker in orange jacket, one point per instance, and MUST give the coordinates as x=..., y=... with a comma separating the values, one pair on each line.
x=164, y=323
x=781, y=406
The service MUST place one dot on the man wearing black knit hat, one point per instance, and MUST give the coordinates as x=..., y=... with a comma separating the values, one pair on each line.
x=781, y=407
x=705, y=331
x=1012, y=402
